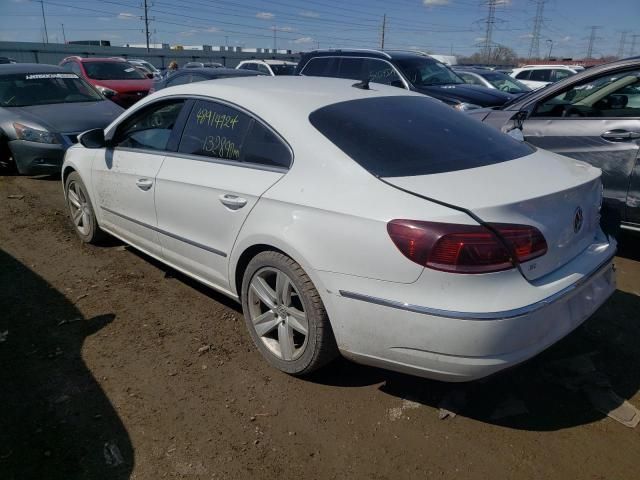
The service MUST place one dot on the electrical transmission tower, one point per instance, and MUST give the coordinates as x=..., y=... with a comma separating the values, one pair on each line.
x=592, y=40
x=488, y=37
x=534, y=49
x=632, y=49
x=623, y=41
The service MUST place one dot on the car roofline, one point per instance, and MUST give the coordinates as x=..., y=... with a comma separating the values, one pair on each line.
x=350, y=50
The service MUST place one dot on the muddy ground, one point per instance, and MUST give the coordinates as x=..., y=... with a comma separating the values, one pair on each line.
x=117, y=367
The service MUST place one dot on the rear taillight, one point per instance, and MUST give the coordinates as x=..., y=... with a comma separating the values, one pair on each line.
x=465, y=248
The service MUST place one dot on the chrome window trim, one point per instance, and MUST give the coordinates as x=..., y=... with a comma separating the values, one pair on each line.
x=165, y=232
x=502, y=315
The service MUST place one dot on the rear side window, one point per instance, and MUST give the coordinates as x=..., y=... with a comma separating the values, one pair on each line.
x=215, y=130
x=406, y=136
x=540, y=75
x=318, y=67
x=220, y=131
x=352, y=68
x=523, y=75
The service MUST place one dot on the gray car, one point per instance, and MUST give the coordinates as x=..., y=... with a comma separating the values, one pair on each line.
x=43, y=108
x=593, y=116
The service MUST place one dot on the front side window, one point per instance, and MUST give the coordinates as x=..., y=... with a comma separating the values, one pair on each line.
x=561, y=74
x=352, y=68
x=542, y=75
x=505, y=83
x=112, y=71
x=425, y=72
x=401, y=136
x=611, y=95
x=382, y=72
x=149, y=129
x=284, y=69
x=470, y=78
x=26, y=89
x=263, y=69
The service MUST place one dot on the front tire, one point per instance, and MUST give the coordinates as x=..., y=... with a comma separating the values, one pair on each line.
x=81, y=213
x=285, y=315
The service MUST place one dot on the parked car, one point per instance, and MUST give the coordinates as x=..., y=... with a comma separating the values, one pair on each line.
x=594, y=117
x=268, y=67
x=197, y=75
x=147, y=65
x=410, y=70
x=538, y=76
x=43, y=108
x=376, y=221
x=115, y=78
x=203, y=65
x=4, y=60
x=491, y=79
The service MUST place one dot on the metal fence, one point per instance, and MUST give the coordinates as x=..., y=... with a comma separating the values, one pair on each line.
x=53, y=53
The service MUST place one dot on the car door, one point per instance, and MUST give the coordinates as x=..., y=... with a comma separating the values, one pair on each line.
x=124, y=174
x=225, y=161
x=596, y=121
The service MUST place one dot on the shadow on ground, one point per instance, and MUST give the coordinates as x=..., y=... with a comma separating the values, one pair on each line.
x=533, y=396
x=55, y=422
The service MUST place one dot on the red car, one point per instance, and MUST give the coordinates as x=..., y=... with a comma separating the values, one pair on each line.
x=115, y=78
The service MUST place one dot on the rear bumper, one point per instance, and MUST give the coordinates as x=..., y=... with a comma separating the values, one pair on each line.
x=459, y=348
x=34, y=158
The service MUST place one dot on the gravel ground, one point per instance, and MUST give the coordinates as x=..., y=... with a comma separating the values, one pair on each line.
x=114, y=366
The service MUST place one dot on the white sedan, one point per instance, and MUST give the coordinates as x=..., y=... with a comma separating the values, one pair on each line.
x=367, y=221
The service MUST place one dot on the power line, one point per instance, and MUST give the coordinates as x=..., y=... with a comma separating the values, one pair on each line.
x=534, y=49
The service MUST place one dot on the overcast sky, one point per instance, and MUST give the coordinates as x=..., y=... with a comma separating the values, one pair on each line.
x=439, y=26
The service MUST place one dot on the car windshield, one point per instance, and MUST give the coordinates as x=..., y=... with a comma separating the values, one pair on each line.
x=112, y=71
x=26, y=89
x=283, y=69
x=505, y=82
x=402, y=136
x=424, y=72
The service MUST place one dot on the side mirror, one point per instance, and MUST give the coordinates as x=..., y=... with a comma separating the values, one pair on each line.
x=397, y=83
x=93, y=138
x=149, y=75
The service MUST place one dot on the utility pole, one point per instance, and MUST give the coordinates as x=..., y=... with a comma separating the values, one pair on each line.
x=534, y=48
x=592, y=40
x=623, y=42
x=44, y=20
x=146, y=23
x=632, y=49
x=64, y=37
x=384, y=27
x=490, y=21
x=275, y=38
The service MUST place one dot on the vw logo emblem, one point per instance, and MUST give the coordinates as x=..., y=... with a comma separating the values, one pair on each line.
x=578, y=219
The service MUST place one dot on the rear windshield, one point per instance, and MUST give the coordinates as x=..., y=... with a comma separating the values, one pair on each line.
x=405, y=136
x=112, y=71
x=27, y=89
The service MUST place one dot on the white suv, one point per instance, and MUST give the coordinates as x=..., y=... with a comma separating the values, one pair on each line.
x=269, y=67
x=538, y=76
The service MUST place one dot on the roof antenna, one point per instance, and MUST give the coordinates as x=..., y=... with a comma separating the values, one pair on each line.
x=363, y=84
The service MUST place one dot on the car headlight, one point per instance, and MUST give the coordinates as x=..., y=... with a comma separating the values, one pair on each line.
x=107, y=92
x=35, y=135
x=463, y=107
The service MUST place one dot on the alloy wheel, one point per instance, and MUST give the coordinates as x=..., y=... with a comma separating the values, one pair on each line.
x=79, y=207
x=277, y=313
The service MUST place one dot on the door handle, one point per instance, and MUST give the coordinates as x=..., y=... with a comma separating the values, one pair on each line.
x=144, y=183
x=233, y=202
x=620, y=135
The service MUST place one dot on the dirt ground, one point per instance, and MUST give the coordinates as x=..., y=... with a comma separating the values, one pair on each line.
x=114, y=367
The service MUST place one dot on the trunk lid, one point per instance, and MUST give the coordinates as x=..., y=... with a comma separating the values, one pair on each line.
x=557, y=195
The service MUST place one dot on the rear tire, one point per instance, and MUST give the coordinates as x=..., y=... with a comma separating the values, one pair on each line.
x=285, y=315
x=81, y=213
